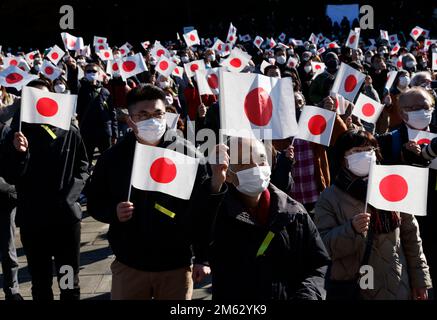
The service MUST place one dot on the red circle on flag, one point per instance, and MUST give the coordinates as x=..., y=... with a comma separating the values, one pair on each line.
x=423, y=141
x=399, y=64
x=13, y=78
x=350, y=83
x=163, y=170
x=115, y=67
x=106, y=54
x=123, y=51
x=163, y=65
x=258, y=107
x=393, y=188
x=13, y=62
x=213, y=81
x=219, y=47
x=236, y=62
x=231, y=38
x=415, y=32
x=368, y=109
x=176, y=71
x=392, y=38
x=72, y=43
x=160, y=52
x=32, y=56
x=258, y=42
x=352, y=39
x=55, y=56
x=318, y=67
x=47, y=107
x=336, y=103
x=192, y=37
x=101, y=47
x=100, y=41
x=331, y=46
x=317, y=125
x=49, y=70
x=194, y=67
x=129, y=66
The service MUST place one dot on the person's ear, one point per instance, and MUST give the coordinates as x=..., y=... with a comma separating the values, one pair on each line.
x=231, y=177
x=132, y=125
x=404, y=115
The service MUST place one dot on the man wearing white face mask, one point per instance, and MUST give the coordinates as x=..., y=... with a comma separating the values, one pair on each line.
x=153, y=235
x=264, y=245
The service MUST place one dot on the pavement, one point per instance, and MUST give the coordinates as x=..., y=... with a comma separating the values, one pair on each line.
x=95, y=273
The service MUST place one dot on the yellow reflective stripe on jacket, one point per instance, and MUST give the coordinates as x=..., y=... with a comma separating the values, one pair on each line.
x=50, y=132
x=165, y=211
x=265, y=244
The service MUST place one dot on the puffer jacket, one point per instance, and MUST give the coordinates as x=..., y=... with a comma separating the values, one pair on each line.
x=397, y=258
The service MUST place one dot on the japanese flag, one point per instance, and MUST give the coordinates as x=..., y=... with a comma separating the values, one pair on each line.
x=219, y=45
x=292, y=62
x=333, y=45
x=416, y=32
x=393, y=38
x=232, y=34
x=178, y=72
x=353, y=39
x=165, y=66
x=69, y=41
x=434, y=61
x=16, y=78
x=191, y=38
x=105, y=54
x=428, y=43
x=158, y=50
x=164, y=170
x=282, y=37
x=341, y=103
x=313, y=38
x=383, y=35
x=272, y=43
x=258, y=41
x=320, y=36
x=23, y=65
x=132, y=65
x=423, y=137
x=348, y=82
x=316, y=125
x=318, y=67
x=237, y=60
x=39, y=106
x=11, y=61
x=398, y=188
x=50, y=71
x=101, y=46
x=124, y=50
x=395, y=49
x=99, y=40
x=192, y=67
x=30, y=57
x=145, y=45
x=397, y=62
x=208, y=81
x=367, y=109
x=390, y=79
x=113, y=67
x=253, y=105
x=55, y=54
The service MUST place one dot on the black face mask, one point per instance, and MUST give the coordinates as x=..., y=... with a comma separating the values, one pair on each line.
x=332, y=65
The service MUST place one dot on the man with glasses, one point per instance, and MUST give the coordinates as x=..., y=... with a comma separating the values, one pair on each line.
x=95, y=113
x=153, y=235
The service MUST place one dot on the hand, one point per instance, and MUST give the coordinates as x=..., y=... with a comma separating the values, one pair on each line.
x=419, y=294
x=199, y=272
x=387, y=100
x=20, y=142
x=328, y=103
x=201, y=110
x=369, y=81
x=349, y=122
x=413, y=147
x=125, y=211
x=219, y=161
x=361, y=222
x=289, y=153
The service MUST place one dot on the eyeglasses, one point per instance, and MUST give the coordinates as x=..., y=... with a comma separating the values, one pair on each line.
x=144, y=115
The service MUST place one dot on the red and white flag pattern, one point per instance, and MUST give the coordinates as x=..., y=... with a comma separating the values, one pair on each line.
x=318, y=67
x=11, y=61
x=367, y=109
x=50, y=71
x=258, y=42
x=434, y=61
x=341, y=103
x=164, y=170
x=272, y=43
x=165, y=66
x=390, y=79
x=30, y=57
x=69, y=41
x=348, y=82
x=14, y=77
x=113, y=67
x=353, y=39
x=316, y=125
x=292, y=62
x=253, y=105
x=101, y=46
x=333, y=45
x=232, y=34
x=423, y=137
x=39, y=106
x=145, y=45
x=208, y=81
x=99, y=40
x=124, y=50
x=158, y=50
x=192, y=38
x=313, y=38
x=416, y=32
x=132, y=65
x=178, y=72
x=218, y=46
x=105, y=54
x=398, y=188
x=383, y=34
x=395, y=49
x=192, y=67
x=394, y=38
x=237, y=60
x=55, y=54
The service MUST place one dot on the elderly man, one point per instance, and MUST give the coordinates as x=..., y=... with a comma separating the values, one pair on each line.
x=264, y=245
x=416, y=107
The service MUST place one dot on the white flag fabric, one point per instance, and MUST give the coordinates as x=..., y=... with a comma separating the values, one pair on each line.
x=208, y=81
x=11, y=61
x=178, y=72
x=124, y=50
x=316, y=125
x=30, y=57
x=264, y=65
x=132, y=66
x=395, y=49
x=237, y=60
x=218, y=45
x=258, y=41
x=101, y=46
x=398, y=188
x=314, y=39
x=332, y=45
x=232, y=34
x=348, y=82
x=341, y=103
x=14, y=77
x=192, y=38
x=99, y=40
x=69, y=41
x=272, y=43
x=39, y=106
x=423, y=137
x=192, y=67
x=434, y=61
x=145, y=45
x=163, y=170
x=383, y=34
x=158, y=50
x=253, y=105
x=113, y=67
x=390, y=79
x=353, y=39
x=318, y=68
x=56, y=54
x=50, y=71
x=394, y=38
x=105, y=54
x=292, y=62
x=416, y=32
x=172, y=120
x=367, y=109
x=165, y=66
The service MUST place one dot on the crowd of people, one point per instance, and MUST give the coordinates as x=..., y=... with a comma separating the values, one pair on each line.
x=290, y=228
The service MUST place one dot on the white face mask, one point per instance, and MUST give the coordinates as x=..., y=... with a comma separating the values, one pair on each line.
x=92, y=76
x=211, y=57
x=281, y=59
x=308, y=69
x=151, y=130
x=185, y=59
x=254, y=181
x=59, y=88
x=419, y=119
x=359, y=162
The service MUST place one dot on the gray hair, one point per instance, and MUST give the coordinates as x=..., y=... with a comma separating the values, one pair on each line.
x=419, y=78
